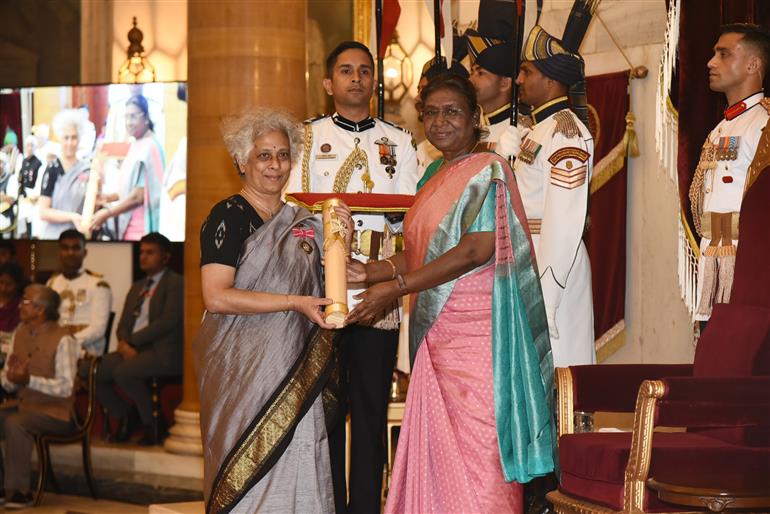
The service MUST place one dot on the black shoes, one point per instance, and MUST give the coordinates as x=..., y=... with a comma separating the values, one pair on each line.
x=150, y=438
x=19, y=500
x=126, y=427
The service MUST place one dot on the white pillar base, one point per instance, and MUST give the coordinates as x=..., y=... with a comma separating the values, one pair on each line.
x=185, y=436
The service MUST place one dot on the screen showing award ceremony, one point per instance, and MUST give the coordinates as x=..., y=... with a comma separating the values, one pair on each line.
x=108, y=160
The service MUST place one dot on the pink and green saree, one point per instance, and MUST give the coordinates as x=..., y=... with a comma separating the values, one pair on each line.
x=478, y=415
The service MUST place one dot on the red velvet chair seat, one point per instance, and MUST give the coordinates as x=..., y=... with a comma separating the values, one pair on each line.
x=593, y=464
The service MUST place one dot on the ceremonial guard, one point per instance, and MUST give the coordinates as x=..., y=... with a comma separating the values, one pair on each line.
x=350, y=151
x=722, y=175
x=553, y=168
x=86, y=298
x=490, y=51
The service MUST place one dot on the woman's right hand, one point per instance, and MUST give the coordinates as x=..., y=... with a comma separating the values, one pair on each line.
x=356, y=271
x=310, y=307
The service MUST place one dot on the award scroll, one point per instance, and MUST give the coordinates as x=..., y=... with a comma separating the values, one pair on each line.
x=335, y=253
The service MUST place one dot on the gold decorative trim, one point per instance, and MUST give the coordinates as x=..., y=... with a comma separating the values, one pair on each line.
x=608, y=167
x=307, y=149
x=356, y=159
x=564, y=504
x=690, y=238
x=318, y=207
x=259, y=444
x=761, y=160
x=638, y=466
x=610, y=341
x=565, y=401
x=362, y=21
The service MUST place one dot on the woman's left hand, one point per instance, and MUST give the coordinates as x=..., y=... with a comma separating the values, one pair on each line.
x=374, y=301
x=99, y=218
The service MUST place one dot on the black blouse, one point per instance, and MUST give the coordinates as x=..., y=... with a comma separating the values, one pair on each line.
x=227, y=226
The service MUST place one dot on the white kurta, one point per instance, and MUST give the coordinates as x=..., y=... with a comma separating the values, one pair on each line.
x=554, y=189
x=723, y=186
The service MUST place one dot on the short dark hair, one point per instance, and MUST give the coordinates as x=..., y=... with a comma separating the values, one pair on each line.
x=71, y=233
x=14, y=271
x=158, y=239
x=141, y=103
x=48, y=299
x=756, y=36
x=331, y=60
x=456, y=83
x=8, y=246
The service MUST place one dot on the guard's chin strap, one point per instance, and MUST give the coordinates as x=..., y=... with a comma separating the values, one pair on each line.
x=539, y=11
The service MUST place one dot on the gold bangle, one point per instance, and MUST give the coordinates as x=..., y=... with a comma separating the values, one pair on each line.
x=392, y=266
x=289, y=304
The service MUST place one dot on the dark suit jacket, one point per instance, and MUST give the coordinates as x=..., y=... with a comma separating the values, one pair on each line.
x=163, y=334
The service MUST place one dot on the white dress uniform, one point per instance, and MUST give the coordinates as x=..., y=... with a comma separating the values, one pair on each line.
x=426, y=154
x=496, y=123
x=553, y=171
x=340, y=149
x=86, y=302
x=719, y=183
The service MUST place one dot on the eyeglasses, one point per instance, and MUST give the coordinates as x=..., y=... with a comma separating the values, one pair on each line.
x=449, y=113
x=27, y=301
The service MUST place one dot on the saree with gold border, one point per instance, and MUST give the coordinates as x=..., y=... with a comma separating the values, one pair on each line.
x=262, y=379
x=477, y=415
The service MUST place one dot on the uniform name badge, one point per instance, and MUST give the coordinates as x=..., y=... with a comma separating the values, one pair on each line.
x=387, y=155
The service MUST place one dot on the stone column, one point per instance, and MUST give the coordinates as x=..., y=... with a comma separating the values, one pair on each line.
x=239, y=54
x=96, y=28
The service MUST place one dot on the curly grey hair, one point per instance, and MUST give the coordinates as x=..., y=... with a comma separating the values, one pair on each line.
x=239, y=131
x=68, y=118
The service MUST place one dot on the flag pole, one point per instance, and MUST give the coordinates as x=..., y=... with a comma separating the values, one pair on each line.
x=380, y=69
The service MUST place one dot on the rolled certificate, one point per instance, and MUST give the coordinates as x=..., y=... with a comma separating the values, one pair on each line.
x=335, y=252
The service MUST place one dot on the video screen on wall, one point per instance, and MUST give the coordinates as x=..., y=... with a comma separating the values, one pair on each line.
x=108, y=160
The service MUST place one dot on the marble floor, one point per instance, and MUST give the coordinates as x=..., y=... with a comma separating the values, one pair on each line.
x=65, y=504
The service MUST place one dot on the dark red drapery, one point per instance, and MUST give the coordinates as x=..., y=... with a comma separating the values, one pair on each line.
x=606, y=238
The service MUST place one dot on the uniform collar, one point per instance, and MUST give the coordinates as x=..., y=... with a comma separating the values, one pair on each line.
x=352, y=126
x=549, y=108
x=744, y=105
x=499, y=115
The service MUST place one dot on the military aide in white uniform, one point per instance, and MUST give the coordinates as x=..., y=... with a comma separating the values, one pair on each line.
x=737, y=69
x=352, y=152
x=86, y=298
x=553, y=171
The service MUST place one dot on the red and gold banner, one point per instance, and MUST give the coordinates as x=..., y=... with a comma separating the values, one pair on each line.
x=612, y=126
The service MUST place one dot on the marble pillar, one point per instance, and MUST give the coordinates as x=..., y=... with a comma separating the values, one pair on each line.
x=239, y=54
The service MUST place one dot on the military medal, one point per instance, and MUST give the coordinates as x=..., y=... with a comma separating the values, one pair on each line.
x=387, y=155
x=727, y=148
x=529, y=151
x=303, y=233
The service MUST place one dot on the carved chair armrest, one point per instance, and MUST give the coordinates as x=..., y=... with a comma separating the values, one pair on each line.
x=605, y=387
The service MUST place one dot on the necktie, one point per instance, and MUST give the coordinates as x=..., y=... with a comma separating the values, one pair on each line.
x=142, y=296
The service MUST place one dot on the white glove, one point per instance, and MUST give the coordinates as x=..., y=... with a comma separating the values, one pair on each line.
x=550, y=314
x=510, y=141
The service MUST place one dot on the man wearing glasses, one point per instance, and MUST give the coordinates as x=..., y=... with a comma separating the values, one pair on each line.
x=41, y=370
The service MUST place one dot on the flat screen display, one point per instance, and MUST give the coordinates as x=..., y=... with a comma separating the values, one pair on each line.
x=108, y=160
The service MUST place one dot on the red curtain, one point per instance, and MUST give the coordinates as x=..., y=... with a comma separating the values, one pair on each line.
x=700, y=109
x=606, y=238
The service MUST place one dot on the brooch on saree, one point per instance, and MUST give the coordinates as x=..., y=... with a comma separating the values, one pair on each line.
x=304, y=233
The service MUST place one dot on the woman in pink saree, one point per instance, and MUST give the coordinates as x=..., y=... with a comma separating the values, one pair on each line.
x=478, y=421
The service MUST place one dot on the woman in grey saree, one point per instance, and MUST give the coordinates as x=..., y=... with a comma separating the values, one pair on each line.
x=261, y=359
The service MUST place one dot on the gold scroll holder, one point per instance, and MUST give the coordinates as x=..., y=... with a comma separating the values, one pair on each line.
x=335, y=257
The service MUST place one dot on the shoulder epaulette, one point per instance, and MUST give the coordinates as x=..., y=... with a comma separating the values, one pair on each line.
x=765, y=102
x=313, y=120
x=53, y=277
x=94, y=274
x=566, y=123
x=397, y=126
x=103, y=283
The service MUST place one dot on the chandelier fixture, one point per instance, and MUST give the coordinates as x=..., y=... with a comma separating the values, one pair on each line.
x=397, y=71
x=136, y=68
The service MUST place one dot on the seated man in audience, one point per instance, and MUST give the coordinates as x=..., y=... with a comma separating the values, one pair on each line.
x=86, y=298
x=41, y=370
x=149, y=340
